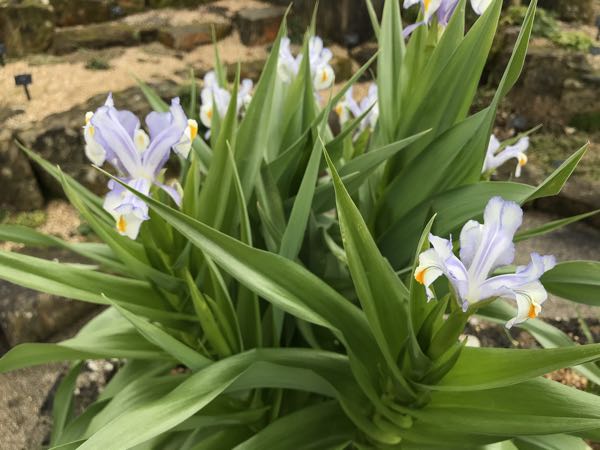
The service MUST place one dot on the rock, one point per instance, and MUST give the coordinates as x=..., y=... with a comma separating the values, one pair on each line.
x=342, y=65
x=572, y=10
x=131, y=6
x=188, y=37
x=148, y=24
x=342, y=20
x=248, y=69
x=364, y=53
x=259, y=26
x=29, y=316
x=95, y=36
x=80, y=12
x=26, y=26
x=8, y=112
x=20, y=190
x=558, y=87
x=59, y=139
x=22, y=394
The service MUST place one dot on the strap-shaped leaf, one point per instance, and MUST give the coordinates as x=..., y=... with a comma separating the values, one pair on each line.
x=62, y=407
x=486, y=368
x=118, y=345
x=160, y=338
x=292, y=369
x=547, y=335
x=552, y=226
x=578, y=281
x=76, y=282
x=551, y=442
x=100, y=253
x=535, y=407
x=382, y=295
x=323, y=426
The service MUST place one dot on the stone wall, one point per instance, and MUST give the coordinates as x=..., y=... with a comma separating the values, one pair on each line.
x=32, y=26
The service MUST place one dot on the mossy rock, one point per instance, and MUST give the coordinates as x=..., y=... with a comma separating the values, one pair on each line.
x=586, y=121
x=101, y=35
x=571, y=10
x=26, y=26
x=79, y=12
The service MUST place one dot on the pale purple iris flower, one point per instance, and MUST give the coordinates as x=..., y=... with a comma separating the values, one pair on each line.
x=319, y=59
x=497, y=155
x=349, y=108
x=115, y=136
x=442, y=9
x=483, y=249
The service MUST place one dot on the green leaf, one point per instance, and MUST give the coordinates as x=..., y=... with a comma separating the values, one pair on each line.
x=214, y=198
x=551, y=442
x=100, y=253
x=453, y=209
x=323, y=426
x=207, y=320
x=129, y=252
x=76, y=282
x=62, y=407
x=552, y=226
x=578, y=281
x=293, y=236
x=555, y=182
x=157, y=103
x=165, y=341
x=193, y=107
x=126, y=344
x=391, y=70
x=486, y=368
x=136, y=394
x=356, y=171
x=260, y=121
x=382, y=295
x=535, y=407
x=547, y=335
x=373, y=18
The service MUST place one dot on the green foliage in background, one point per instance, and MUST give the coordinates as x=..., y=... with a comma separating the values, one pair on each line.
x=547, y=26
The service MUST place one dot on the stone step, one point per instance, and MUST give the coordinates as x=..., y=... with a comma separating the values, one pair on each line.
x=259, y=26
x=188, y=37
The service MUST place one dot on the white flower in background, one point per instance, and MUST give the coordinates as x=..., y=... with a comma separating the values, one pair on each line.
x=349, y=108
x=496, y=156
x=483, y=249
x=479, y=6
x=215, y=96
x=319, y=59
